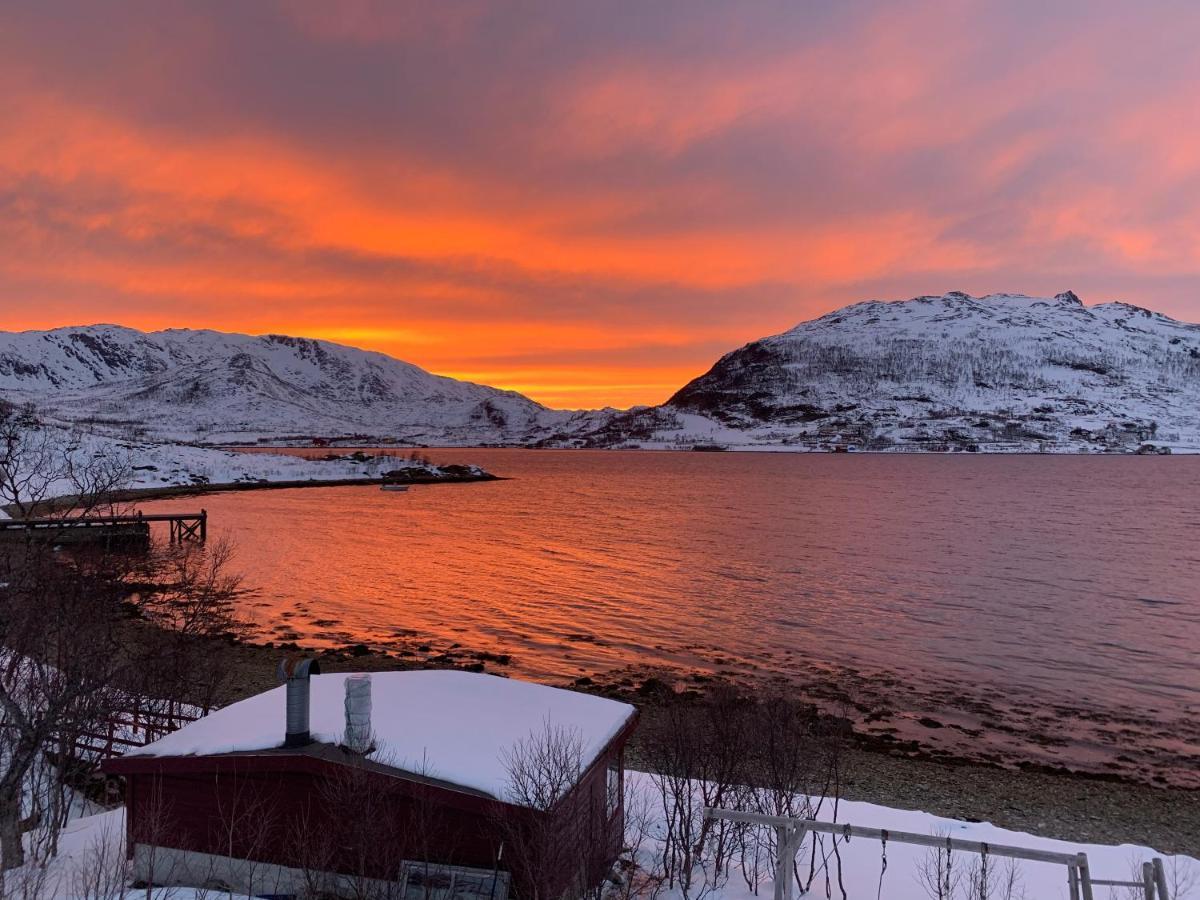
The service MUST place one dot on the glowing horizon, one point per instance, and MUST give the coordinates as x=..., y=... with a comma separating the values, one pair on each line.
x=585, y=207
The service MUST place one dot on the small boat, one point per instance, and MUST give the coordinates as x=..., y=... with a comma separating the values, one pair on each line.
x=393, y=487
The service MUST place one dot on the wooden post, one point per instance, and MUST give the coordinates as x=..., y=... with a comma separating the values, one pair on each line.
x=1073, y=882
x=1148, y=881
x=1085, y=877
x=788, y=839
x=783, y=865
x=203, y=525
x=1160, y=878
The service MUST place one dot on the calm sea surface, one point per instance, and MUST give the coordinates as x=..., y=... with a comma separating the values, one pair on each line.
x=1012, y=591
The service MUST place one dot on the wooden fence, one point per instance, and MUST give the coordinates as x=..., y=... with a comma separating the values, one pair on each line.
x=790, y=834
x=133, y=727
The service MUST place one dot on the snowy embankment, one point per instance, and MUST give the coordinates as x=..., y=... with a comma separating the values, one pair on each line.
x=176, y=465
x=856, y=865
x=154, y=466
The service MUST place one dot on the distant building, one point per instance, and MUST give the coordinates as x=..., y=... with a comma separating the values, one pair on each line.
x=1127, y=434
x=415, y=793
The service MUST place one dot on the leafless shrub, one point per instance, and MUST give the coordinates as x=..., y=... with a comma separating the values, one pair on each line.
x=990, y=878
x=937, y=874
x=793, y=761
x=103, y=872
x=767, y=753
x=639, y=872
x=30, y=882
x=696, y=754
x=552, y=839
x=1183, y=878
x=944, y=874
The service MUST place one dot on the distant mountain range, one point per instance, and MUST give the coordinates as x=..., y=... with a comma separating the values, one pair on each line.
x=950, y=372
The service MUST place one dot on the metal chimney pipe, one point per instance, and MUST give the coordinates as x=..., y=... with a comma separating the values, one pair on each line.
x=294, y=672
x=357, y=738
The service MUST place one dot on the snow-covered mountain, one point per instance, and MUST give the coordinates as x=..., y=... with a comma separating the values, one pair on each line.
x=1001, y=372
x=184, y=384
x=955, y=372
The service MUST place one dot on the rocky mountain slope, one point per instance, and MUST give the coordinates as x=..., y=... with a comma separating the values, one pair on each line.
x=183, y=384
x=1001, y=372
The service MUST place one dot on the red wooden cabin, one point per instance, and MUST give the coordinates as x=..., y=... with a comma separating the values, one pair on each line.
x=286, y=793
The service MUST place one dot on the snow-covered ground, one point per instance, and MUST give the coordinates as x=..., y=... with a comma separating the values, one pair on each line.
x=861, y=859
x=147, y=464
x=858, y=861
x=92, y=852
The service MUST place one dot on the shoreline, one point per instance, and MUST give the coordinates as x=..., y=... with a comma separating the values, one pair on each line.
x=1063, y=804
x=167, y=492
x=1182, y=450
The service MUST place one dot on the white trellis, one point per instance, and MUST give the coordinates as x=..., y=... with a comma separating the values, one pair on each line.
x=790, y=834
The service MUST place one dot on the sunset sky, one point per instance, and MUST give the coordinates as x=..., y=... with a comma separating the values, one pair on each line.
x=587, y=202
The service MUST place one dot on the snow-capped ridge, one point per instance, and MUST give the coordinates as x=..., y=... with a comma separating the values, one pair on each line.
x=183, y=383
x=1005, y=371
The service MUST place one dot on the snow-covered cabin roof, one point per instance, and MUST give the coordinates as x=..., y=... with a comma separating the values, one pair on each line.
x=446, y=725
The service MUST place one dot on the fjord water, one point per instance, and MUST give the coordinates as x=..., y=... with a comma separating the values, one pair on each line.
x=1008, y=589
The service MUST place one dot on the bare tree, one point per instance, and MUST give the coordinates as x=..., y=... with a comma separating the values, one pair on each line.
x=553, y=840
x=187, y=597
x=937, y=874
x=697, y=756
x=394, y=841
x=85, y=630
x=40, y=461
x=247, y=826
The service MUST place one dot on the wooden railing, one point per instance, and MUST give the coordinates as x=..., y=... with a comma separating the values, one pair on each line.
x=134, y=727
x=790, y=834
x=183, y=526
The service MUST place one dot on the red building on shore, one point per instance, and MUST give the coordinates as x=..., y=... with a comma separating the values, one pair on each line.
x=448, y=782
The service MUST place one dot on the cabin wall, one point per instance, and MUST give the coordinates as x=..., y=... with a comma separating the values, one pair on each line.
x=359, y=825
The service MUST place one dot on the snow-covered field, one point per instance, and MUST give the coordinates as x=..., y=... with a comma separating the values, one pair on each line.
x=858, y=861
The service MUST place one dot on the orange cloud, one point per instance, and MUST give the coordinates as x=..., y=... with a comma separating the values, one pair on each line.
x=589, y=210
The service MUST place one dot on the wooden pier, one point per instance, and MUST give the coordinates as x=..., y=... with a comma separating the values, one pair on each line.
x=189, y=526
